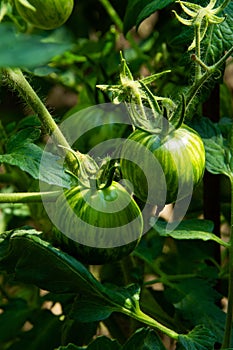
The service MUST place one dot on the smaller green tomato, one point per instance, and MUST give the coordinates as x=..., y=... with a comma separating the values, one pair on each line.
x=98, y=225
x=163, y=168
x=45, y=14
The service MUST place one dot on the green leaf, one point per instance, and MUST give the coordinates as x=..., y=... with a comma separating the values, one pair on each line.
x=13, y=317
x=144, y=339
x=150, y=246
x=220, y=36
x=86, y=309
x=45, y=333
x=104, y=343
x=85, y=334
x=35, y=261
x=200, y=338
x=199, y=292
x=22, y=138
x=28, y=51
x=100, y=343
x=189, y=229
x=71, y=347
x=219, y=157
x=138, y=10
x=29, y=259
x=150, y=8
x=27, y=156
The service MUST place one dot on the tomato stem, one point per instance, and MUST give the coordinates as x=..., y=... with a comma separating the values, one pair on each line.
x=17, y=81
x=144, y=318
x=29, y=197
x=194, y=89
x=197, y=50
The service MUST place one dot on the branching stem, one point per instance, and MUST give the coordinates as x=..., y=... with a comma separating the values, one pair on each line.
x=195, y=88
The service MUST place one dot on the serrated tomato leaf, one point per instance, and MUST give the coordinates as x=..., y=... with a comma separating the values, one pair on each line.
x=199, y=292
x=220, y=36
x=100, y=343
x=21, y=138
x=219, y=156
x=32, y=260
x=188, y=229
x=200, y=338
x=144, y=339
x=23, y=153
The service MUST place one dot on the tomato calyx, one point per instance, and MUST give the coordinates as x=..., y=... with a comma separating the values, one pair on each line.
x=88, y=174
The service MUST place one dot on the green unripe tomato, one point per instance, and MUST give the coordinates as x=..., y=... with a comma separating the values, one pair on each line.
x=45, y=14
x=108, y=220
x=176, y=159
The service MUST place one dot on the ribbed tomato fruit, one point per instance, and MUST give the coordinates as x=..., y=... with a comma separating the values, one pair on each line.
x=163, y=168
x=98, y=225
x=49, y=14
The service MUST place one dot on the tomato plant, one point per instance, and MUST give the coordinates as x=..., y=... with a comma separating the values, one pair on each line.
x=116, y=175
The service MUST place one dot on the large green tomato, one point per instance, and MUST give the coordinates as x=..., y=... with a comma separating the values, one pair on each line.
x=45, y=14
x=98, y=225
x=163, y=169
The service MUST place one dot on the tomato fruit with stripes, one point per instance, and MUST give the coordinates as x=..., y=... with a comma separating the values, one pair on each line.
x=163, y=168
x=49, y=14
x=98, y=225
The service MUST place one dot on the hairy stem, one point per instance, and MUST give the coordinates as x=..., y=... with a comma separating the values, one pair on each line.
x=18, y=82
x=210, y=71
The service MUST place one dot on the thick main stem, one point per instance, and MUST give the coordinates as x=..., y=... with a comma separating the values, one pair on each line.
x=228, y=328
x=17, y=81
